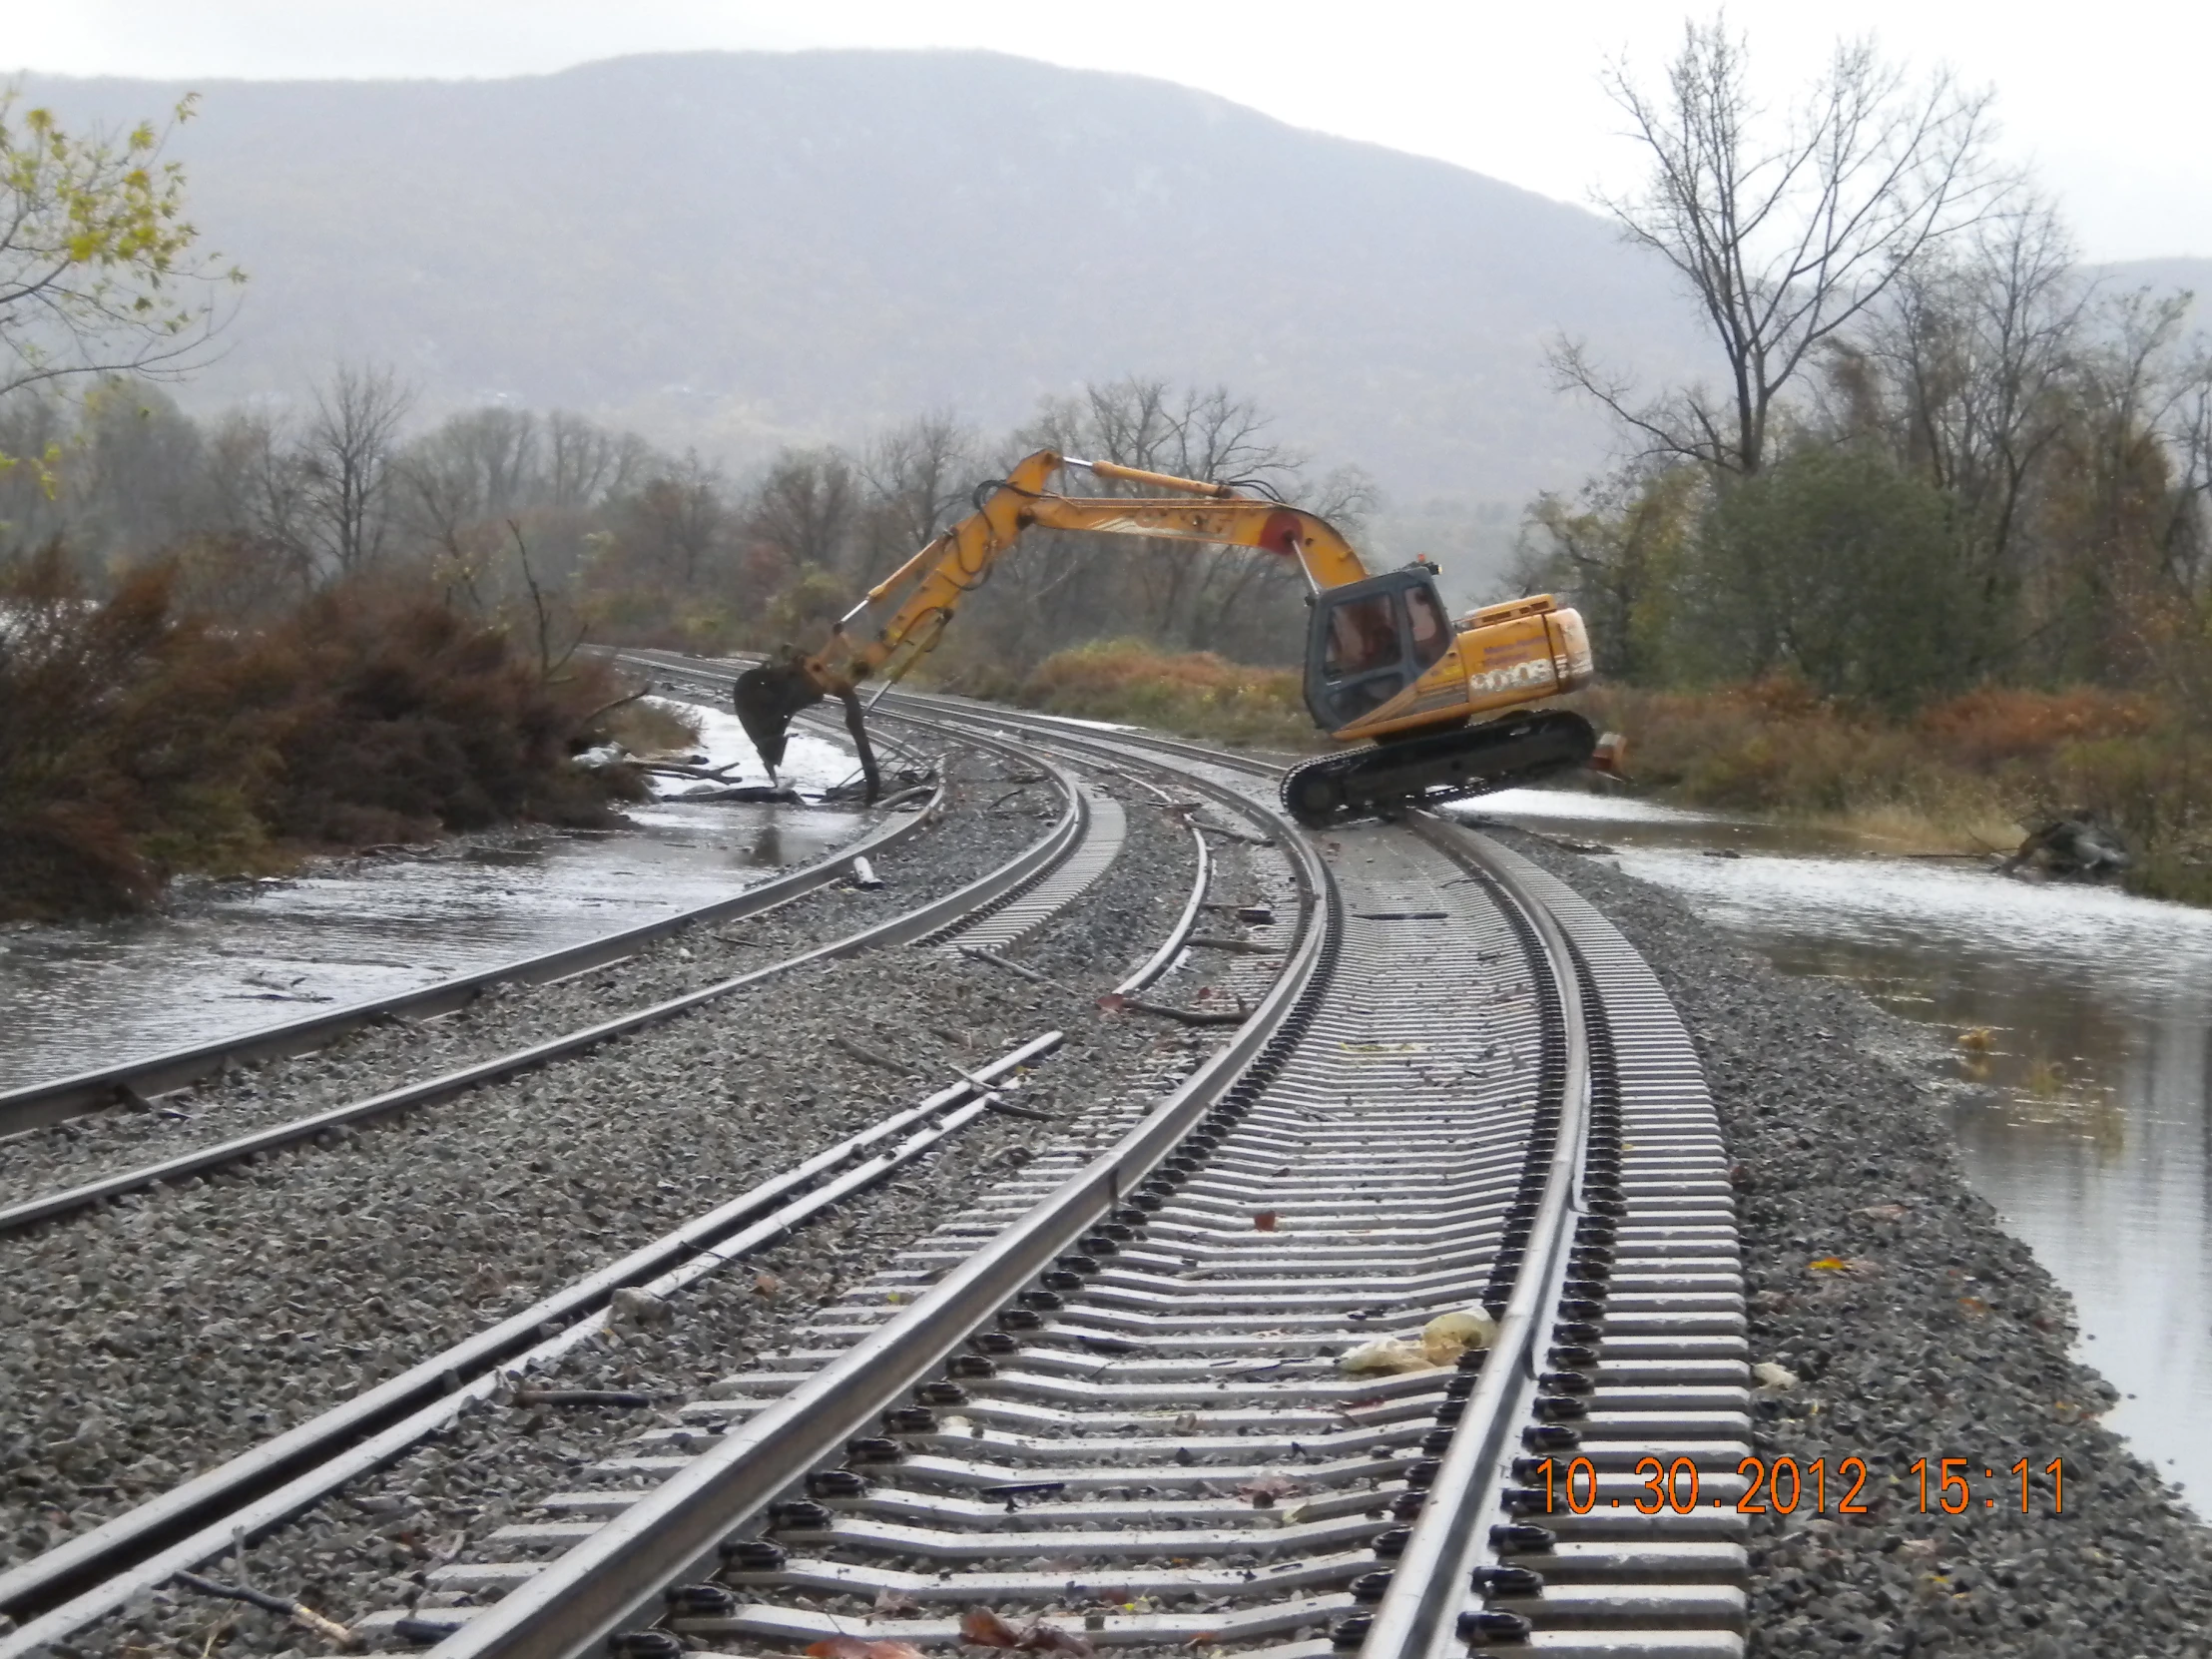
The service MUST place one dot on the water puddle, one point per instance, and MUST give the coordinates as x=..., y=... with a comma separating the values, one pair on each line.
x=237, y=958
x=2088, y=1018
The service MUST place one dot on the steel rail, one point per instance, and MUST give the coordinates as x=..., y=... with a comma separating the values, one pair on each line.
x=35, y=1105
x=67, y=1588
x=602, y=1584
x=1160, y=960
x=1419, y=1615
x=1048, y=850
x=1158, y=963
x=1651, y=1360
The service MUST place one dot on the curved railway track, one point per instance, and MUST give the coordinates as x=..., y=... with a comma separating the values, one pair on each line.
x=56, y=1595
x=138, y=1081
x=1112, y=1407
x=1036, y=875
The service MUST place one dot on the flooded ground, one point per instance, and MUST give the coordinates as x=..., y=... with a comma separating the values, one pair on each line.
x=234, y=957
x=2081, y=1098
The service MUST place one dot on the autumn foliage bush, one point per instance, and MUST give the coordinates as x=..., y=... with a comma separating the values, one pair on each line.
x=1194, y=693
x=140, y=739
x=1987, y=757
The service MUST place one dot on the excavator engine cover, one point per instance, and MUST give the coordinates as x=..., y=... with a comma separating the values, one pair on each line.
x=766, y=699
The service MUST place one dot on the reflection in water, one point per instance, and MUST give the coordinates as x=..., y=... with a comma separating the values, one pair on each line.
x=2081, y=1082
x=76, y=999
x=766, y=851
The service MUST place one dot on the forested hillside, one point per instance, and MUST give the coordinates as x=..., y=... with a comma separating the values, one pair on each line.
x=742, y=250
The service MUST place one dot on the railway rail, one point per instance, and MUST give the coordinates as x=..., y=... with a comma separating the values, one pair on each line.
x=1067, y=841
x=1202, y=1388
x=61, y=1592
x=139, y=1081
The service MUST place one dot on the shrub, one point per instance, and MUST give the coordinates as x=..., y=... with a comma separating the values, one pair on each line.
x=1986, y=728
x=1194, y=693
x=138, y=740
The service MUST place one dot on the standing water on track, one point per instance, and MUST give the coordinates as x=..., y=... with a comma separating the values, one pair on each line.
x=245, y=956
x=2079, y=1097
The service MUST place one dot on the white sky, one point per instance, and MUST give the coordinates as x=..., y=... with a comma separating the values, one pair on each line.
x=2108, y=102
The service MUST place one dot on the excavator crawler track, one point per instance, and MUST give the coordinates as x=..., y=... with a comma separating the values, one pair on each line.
x=1385, y=778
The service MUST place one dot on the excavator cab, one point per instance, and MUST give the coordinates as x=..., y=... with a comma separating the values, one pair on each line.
x=1368, y=641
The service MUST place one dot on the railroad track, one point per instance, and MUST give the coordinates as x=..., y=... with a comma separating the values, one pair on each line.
x=1045, y=867
x=1112, y=1407
x=138, y=1082
x=63, y=1591
x=1114, y=1410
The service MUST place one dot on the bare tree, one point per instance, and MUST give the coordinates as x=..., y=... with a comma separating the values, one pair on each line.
x=455, y=483
x=919, y=476
x=1965, y=370
x=675, y=524
x=2189, y=430
x=807, y=507
x=346, y=458
x=1783, y=240
x=585, y=464
x=260, y=494
x=1205, y=599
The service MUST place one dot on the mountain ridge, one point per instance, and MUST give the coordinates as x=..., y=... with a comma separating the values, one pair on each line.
x=769, y=247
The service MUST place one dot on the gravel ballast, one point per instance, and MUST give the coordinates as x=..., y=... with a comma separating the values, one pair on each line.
x=183, y=1324
x=371, y=1547
x=1939, y=1337
x=973, y=837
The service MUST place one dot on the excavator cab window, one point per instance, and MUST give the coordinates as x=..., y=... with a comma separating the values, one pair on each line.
x=1369, y=641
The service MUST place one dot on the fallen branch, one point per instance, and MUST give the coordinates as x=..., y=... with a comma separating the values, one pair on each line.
x=1227, y=834
x=1247, y=947
x=1011, y=967
x=1187, y=811
x=993, y=1103
x=299, y=1613
x=680, y=768
x=875, y=1056
x=1187, y=1016
x=618, y=703
x=751, y=792
x=582, y=1396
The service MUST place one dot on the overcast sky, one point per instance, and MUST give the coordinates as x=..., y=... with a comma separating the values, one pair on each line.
x=2107, y=103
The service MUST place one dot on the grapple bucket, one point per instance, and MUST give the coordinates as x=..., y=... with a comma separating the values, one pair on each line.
x=766, y=699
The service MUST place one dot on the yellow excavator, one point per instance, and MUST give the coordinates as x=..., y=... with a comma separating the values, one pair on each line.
x=1439, y=707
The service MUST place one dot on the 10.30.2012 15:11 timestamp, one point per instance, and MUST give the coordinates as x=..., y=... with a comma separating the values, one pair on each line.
x=1785, y=1485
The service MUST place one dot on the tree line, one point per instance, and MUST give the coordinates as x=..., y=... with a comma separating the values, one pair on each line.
x=1936, y=454
x=589, y=529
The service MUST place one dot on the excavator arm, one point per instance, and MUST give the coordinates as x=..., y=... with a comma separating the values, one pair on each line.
x=927, y=590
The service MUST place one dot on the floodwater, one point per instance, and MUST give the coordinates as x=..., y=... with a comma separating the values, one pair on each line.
x=241, y=956
x=2086, y=1121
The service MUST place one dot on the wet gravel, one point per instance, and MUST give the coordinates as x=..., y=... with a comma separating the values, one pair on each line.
x=182, y=1325
x=177, y=1328
x=1939, y=1336
x=981, y=830
x=372, y=1547
x=1128, y=910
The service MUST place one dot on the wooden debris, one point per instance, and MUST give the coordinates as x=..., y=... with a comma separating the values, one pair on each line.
x=299, y=1613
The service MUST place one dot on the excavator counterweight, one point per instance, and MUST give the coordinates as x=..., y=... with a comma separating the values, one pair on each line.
x=1439, y=707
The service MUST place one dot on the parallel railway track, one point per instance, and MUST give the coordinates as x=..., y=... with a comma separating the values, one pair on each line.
x=1112, y=1405
x=1068, y=841
x=56, y=1595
